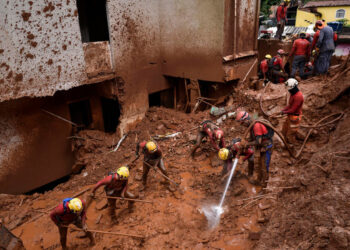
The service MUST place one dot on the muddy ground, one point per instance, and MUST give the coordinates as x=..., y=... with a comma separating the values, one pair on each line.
x=305, y=205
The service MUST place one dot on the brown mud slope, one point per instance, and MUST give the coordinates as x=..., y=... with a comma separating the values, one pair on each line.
x=303, y=206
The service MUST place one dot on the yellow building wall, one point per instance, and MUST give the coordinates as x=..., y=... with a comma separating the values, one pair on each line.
x=305, y=18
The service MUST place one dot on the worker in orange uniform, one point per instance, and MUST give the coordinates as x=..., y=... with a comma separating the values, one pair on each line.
x=232, y=151
x=281, y=16
x=70, y=211
x=116, y=185
x=277, y=73
x=264, y=68
x=301, y=52
x=293, y=110
x=261, y=139
x=211, y=130
x=152, y=157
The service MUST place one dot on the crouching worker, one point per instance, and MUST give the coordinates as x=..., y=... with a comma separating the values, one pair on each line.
x=116, y=185
x=261, y=139
x=153, y=157
x=70, y=211
x=215, y=134
x=234, y=150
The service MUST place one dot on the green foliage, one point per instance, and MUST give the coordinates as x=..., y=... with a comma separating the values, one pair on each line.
x=344, y=21
x=266, y=4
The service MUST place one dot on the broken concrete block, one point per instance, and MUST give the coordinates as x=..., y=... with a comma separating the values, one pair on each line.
x=8, y=240
x=101, y=205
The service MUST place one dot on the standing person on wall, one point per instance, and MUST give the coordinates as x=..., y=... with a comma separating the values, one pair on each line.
x=281, y=16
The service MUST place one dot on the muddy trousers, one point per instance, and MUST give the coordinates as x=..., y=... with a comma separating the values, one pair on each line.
x=262, y=159
x=146, y=168
x=290, y=128
x=298, y=63
x=280, y=29
x=63, y=233
x=112, y=202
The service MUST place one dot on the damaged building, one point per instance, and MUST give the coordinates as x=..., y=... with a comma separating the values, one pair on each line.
x=75, y=64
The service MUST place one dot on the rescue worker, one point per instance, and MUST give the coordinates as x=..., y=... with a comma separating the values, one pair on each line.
x=281, y=16
x=211, y=130
x=70, y=211
x=231, y=152
x=264, y=68
x=261, y=139
x=116, y=185
x=277, y=73
x=326, y=47
x=152, y=156
x=301, y=52
x=293, y=110
x=320, y=24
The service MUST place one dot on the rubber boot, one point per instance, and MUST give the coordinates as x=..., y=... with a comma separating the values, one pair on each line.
x=250, y=168
x=63, y=236
x=111, y=210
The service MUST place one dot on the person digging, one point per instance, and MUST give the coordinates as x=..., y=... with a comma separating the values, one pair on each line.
x=153, y=158
x=70, y=211
x=231, y=152
x=213, y=132
x=116, y=185
x=261, y=139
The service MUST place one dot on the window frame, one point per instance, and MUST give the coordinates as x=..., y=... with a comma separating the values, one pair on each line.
x=337, y=11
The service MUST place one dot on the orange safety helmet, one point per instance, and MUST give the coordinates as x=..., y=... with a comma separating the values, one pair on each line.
x=281, y=52
x=319, y=24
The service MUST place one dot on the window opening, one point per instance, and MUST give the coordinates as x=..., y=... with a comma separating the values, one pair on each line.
x=340, y=13
x=164, y=98
x=93, y=20
x=111, y=114
x=80, y=113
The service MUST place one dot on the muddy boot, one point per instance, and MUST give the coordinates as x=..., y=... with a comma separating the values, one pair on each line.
x=250, y=168
x=111, y=210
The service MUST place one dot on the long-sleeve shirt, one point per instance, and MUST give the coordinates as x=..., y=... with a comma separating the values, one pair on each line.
x=112, y=182
x=317, y=35
x=281, y=13
x=326, y=40
x=277, y=63
x=301, y=47
x=295, y=104
x=65, y=216
x=209, y=129
x=264, y=66
x=248, y=152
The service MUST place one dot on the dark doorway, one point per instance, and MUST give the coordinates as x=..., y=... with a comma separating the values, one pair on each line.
x=93, y=20
x=164, y=98
x=80, y=113
x=49, y=186
x=111, y=114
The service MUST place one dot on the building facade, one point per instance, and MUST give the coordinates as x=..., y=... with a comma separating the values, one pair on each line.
x=66, y=65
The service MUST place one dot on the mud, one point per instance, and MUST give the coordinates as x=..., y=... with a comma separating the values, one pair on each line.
x=304, y=205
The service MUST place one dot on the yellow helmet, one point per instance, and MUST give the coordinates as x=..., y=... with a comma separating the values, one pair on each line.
x=151, y=146
x=268, y=56
x=223, y=154
x=123, y=172
x=75, y=205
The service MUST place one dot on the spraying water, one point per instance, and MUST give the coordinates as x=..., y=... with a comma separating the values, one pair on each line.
x=213, y=213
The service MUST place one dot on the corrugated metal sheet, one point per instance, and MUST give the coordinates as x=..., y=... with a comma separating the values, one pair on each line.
x=327, y=3
x=290, y=30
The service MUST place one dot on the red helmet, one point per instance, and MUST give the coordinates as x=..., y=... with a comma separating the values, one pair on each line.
x=218, y=134
x=319, y=24
x=281, y=52
x=242, y=116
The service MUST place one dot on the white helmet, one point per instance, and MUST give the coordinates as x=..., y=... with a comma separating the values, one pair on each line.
x=291, y=83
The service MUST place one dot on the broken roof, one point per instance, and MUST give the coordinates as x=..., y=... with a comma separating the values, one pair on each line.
x=327, y=3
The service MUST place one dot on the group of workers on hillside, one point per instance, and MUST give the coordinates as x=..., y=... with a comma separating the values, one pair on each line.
x=311, y=55
x=73, y=210
x=257, y=150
